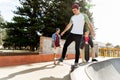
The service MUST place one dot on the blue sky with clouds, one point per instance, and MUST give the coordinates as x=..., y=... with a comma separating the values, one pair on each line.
x=106, y=16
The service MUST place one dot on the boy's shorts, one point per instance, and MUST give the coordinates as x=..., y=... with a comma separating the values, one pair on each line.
x=57, y=50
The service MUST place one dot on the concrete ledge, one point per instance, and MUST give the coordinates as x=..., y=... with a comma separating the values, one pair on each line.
x=27, y=59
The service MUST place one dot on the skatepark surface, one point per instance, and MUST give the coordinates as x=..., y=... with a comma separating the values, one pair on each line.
x=49, y=71
x=102, y=70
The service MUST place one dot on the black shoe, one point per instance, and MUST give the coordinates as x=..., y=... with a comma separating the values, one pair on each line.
x=60, y=60
x=76, y=65
x=94, y=60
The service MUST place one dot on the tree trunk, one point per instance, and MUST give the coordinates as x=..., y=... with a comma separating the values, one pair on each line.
x=31, y=48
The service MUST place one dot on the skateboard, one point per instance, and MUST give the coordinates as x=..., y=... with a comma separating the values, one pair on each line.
x=79, y=64
x=87, y=53
x=72, y=68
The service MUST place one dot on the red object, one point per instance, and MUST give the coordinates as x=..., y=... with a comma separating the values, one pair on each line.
x=28, y=59
x=57, y=41
x=86, y=39
x=75, y=6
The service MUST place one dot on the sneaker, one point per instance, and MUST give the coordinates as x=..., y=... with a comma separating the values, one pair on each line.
x=94, y=60
x=83, y=61
x=59, y=60
x=55, y=59
x=76, y=65
x=54, y=63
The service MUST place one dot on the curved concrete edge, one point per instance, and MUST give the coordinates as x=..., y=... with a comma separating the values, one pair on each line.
x=103, y=70
x=116, y=63
x=80, y=73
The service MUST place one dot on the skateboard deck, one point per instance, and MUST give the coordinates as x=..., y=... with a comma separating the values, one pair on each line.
x=87, y=53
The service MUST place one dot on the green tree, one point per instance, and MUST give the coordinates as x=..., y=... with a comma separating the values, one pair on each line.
x=39, y=15
x=22, y=30
x=109, y=44
x=57, y=15
x=117, y=46
x=59, y=12
x=1, y=21
x=2, y=31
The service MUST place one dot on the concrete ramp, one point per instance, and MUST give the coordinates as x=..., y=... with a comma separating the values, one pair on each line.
x=104, y=70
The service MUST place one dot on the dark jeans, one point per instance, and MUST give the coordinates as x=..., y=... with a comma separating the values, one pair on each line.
x=72, y=37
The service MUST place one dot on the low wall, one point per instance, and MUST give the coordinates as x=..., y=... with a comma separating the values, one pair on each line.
x=45, y=54
x=27, y=59
x=45, y=45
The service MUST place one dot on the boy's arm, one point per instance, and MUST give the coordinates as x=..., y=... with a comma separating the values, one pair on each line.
x=53, y=41
x=91, y=29
x=90, y=26
x=66, y=28
x=60, y=40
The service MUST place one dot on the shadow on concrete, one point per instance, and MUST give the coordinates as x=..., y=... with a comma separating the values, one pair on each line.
x=67, y=77
x=49, y=66
x=83, y=64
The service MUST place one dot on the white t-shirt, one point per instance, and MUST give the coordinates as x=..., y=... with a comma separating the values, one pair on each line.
x=78, y=22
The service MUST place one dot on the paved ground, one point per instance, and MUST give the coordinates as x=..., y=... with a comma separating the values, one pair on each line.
x=38, y=71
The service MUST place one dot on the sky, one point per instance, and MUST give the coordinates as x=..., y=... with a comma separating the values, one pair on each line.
x=7, y=7
x=106, y=17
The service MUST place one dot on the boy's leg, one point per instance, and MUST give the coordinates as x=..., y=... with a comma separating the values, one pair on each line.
x=54, y=55
x=55, y=52
x=77, y=46
x=83, y=55
x=82, y=52
x=67, y=43
x=54, y=58
x=92, y=49
x=93, y=53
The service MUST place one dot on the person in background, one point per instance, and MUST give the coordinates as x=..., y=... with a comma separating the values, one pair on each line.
x=56, y=43
x=87, y=39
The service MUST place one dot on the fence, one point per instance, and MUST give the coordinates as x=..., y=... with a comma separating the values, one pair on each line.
x=109, y=52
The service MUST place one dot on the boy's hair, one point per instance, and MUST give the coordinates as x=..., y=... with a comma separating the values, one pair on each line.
x=87, y=31
x=75, y=6
x=57, y=29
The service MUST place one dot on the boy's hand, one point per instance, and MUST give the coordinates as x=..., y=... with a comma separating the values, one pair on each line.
x=86, y=42
x=62, y=33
